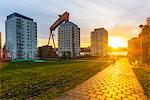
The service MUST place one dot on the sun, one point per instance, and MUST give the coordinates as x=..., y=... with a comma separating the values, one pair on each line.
x=116, y=42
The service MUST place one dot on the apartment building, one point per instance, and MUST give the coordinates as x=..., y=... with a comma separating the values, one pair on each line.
x=21, y=37
x=68, y=40
x=99, y=42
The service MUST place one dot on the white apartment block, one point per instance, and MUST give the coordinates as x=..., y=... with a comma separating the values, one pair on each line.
x=99, y=42
x=68, y=40
x=21, y=37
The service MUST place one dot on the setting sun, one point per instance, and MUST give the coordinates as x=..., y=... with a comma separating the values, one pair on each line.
x=116, y=42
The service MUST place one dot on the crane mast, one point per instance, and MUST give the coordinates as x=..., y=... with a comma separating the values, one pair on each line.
x=62, y=18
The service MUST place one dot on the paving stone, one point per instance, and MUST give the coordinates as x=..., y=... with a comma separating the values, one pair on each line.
x=116, y=82
x=122, y=95
x=132, y=97
x=101, y=97
x=99, y=93
x=116, y=97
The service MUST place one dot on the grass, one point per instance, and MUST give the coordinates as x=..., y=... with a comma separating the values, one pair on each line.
x=144, y=78
x=45, y=80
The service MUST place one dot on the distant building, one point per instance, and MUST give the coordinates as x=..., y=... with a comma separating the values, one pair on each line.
x=99, y=42
x=46, y=52
x=68, y=40
x=145, y=43
x=21, y=37
x=85, y=52
x=148, y=21
x=134, y=51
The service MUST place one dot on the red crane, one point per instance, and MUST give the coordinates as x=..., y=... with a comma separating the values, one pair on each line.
x=62, y=18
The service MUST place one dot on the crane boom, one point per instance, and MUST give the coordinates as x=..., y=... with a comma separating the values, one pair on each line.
x=63, y=18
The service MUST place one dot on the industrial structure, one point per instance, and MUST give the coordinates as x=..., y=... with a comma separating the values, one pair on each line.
x=62, y=18
x=68, y=40
x=47, y=52
x=21, y=37
x=99, y=42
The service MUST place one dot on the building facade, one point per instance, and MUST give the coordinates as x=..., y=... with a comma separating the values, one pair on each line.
x=145, y=43
x=134, y=51
x=68, y=40
x=139, y=48
x=21, y=37
x=99, y=42
x=46, y=52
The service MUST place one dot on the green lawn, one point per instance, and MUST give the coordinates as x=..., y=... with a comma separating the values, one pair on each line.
x=45, y=80
x=144, y=78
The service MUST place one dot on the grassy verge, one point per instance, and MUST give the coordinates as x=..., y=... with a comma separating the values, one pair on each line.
x=44, y=80
x=2, y=64
x=144, y=78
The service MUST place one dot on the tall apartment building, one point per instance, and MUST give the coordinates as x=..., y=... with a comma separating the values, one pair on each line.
x=21, y=37
x=68, y=40
x=99, y=42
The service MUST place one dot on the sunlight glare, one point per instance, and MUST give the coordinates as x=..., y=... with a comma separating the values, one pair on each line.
x=116, y=42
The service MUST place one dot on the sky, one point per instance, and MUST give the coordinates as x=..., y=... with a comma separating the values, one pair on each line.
x=120, y=17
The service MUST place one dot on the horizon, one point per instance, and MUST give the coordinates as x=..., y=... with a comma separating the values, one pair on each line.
x=114, y=16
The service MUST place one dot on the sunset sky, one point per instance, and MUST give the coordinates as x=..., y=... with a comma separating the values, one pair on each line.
x=120, y=17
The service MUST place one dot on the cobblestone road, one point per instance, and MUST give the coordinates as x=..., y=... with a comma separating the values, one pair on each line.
x=116, y=82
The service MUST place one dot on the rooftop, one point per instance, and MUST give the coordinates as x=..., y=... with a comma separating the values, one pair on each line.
x=99, y=29
x=18, y=15
x=68, y=23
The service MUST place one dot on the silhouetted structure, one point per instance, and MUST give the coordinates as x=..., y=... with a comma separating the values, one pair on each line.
x=46, y=52
x=134, y=50
x=139, y=48
x=145, y=43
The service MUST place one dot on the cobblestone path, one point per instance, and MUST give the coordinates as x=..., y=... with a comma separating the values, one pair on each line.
x=116, y=82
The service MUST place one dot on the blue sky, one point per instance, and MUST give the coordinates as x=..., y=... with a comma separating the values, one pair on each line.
x=120, y=17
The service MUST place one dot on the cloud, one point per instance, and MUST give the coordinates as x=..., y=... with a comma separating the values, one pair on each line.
x=119, y=17
x=126, y=31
